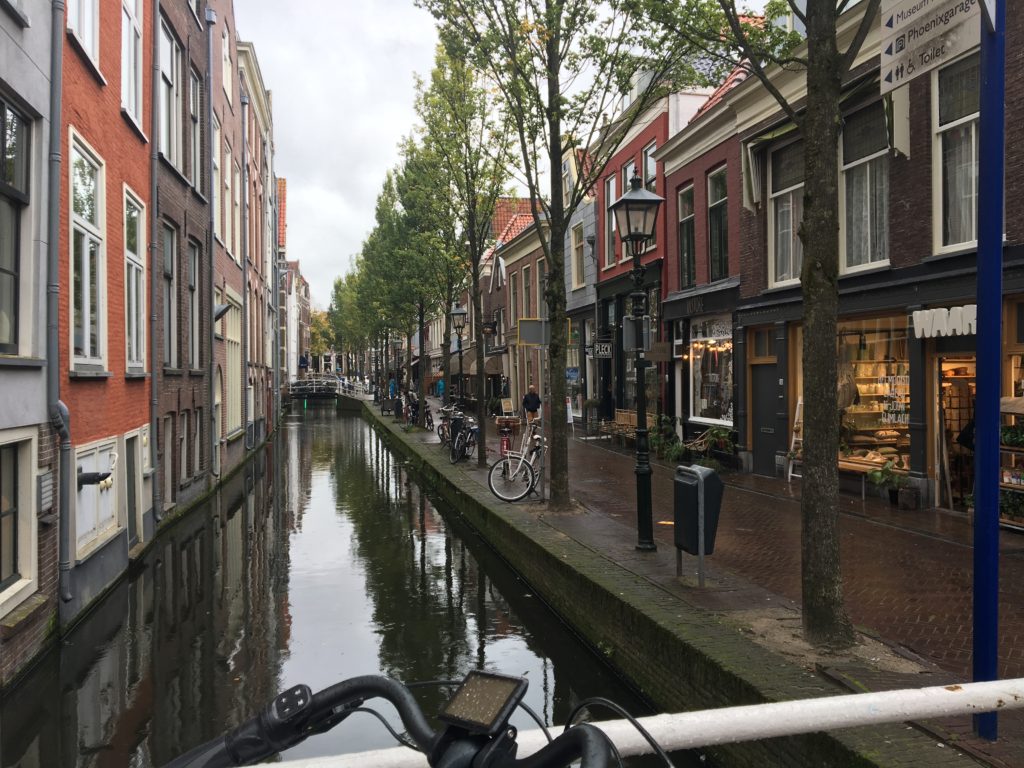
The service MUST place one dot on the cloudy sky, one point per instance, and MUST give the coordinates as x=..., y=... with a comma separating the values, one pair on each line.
x=341, y=75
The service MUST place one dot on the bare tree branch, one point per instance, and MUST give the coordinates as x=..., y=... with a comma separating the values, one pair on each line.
x=866, y=23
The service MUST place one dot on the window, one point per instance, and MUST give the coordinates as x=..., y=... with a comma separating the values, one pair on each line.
x=577, y=256
x=514, y=305
x=10, y=569
x=956, y=152
x=135, y=283
x=566, y=184
x=170, y=320
x=226, y=74
x=216, y=179
x=196, y=442
x=193, y=305
x=87, y=268
x=195, y=129
x=711, y=367
x=542, y=299
x=183, y=435
x=95, y=503
x=237, y=214
x=527, y=291
x=13, y=201
x=83, y=20
x=233, y=338
x=787, y=210
x=865, y=180
x=650, y=168
x=609, y=222
x=718, y=225
x=228, y=199
x=687, y=238
x=131, y=58
x=170, y=97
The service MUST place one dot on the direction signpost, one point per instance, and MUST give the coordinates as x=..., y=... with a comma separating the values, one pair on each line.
x=920, y=35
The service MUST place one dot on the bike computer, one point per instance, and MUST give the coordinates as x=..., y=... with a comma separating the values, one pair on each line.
x=484, y=702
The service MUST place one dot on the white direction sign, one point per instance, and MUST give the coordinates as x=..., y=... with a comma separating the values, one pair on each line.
x=920, y=35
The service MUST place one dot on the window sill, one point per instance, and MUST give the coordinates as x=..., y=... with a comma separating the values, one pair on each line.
x=90, y=63
x=169, y=165
x=136, y=375
x=134, y=125
x=82, y=373
x=967, y=250
x=880, y=266
x=196, y=372
x=169, y=371
x=103, y=538
x=19, y=17
x=199, y=195
x=21, y=608
x=232, y=436
x=21, y=362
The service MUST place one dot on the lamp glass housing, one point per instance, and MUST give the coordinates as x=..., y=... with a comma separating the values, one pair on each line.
x=636, y=213
x=458, y=315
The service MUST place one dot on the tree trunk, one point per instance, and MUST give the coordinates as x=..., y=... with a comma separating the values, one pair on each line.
x=421, y=416
x=481, y=401
x=824, y=617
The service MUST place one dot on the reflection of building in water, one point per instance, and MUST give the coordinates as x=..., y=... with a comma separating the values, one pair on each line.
x=184, y=650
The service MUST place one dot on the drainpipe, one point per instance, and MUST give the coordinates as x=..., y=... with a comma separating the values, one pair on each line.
x=211, y=19
x=154, y=272
x=244, y=99
x=60, y=419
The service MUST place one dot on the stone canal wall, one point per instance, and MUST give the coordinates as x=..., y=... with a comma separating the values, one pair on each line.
x=680, y=658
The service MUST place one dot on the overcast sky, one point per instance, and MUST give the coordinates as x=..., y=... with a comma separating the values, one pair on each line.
x=341, y=75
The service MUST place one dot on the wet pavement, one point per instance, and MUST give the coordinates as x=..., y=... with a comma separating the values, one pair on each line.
x=907, y=576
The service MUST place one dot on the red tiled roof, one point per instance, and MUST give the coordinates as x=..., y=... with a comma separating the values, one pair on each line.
x=505, y=208
x=737, y=76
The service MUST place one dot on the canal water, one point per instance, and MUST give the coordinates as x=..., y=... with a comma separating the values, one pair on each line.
x=321, y=560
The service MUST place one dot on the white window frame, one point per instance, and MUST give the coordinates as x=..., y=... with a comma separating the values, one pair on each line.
x=170, y=97
x=17, y=194
x=91, y=232
x=772, y=197
x=527, y=290
x=691, y=217
x=609, y=222
x=228, y=202
x=184, y=432
x=135, y=321
x=131, y=59
x=233, y=366
x=844, y=167
x=650, y=167
x=713, y=206
x=566, y=184
x=193, y=304
x=216, y=182
x=15, y=593
x=937, y=132
x=169, y=282
x=84, y=24
x=106, y=528
x=578, y=257
x=195, y=128
x=227, y=74
x=236, y=209
x=627, y=173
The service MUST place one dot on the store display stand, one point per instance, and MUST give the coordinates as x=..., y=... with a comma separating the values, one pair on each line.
x=796, y=444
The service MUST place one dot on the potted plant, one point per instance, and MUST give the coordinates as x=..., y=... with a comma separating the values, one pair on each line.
x=887, y=478
x=663, y=436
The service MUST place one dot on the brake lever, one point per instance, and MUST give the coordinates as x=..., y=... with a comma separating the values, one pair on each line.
x=331, y=718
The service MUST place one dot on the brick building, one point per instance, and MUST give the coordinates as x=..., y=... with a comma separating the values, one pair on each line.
x=106, y=220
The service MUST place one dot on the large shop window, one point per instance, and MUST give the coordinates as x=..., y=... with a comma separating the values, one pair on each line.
x=652, y=384
x=873, y=391
x=711, y=365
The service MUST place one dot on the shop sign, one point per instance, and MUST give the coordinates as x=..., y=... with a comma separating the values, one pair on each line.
x=954, y=321
x=572, y=374
x=660, y=352
x=602, y=349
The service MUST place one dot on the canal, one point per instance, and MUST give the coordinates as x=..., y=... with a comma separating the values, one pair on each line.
x=321, y=560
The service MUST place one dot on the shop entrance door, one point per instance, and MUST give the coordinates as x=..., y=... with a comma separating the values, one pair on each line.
x=954, y=454
x=763, y=403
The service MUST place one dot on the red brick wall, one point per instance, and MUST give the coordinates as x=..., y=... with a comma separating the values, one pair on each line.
x=104, y=407
x=696, y=173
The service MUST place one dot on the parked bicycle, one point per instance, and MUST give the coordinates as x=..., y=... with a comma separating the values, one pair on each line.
x=464, y=435
x=444, y=424
x=515, y=475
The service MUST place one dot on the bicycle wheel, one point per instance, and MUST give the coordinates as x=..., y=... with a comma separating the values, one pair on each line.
x=511, y=479
x=442, y=433
x=471, y=446
x=458, y=446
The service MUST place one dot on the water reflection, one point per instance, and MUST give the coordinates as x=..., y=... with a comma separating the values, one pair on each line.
x=321, y=560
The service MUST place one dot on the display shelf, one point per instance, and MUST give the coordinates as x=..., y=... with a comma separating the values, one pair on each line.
x=1011, y=523
x=1010, y=449
x=1012, y=487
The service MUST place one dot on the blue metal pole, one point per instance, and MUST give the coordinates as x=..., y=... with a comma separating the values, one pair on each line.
x=989, y=336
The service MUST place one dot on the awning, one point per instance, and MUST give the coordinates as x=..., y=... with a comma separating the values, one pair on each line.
x=468, y=363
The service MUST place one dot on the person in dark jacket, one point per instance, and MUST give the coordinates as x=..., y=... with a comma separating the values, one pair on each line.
x=531, y=404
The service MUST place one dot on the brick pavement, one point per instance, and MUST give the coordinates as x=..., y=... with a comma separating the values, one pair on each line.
x=906, y=575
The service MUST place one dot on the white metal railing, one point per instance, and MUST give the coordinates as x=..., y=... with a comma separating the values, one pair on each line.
x=689, y=730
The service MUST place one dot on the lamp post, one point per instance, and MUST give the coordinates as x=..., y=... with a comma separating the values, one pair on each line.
x=635, y=215
x=458, y=315
x=396, y=349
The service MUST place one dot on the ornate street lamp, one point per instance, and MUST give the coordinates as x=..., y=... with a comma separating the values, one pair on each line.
x=635, y=214
x=458, y=315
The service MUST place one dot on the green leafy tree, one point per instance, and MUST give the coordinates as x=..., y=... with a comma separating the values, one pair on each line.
x=560, y=68
x=764, y=48
x=469, y=138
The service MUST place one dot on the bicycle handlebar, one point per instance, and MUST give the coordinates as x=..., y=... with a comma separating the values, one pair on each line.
x=297, y=713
